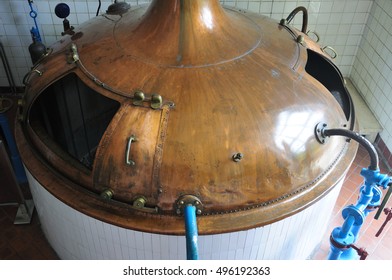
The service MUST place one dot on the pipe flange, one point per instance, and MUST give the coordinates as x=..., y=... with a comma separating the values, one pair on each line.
x=188, y=200
x=319, y=132
x=354, y=212
x=342, y=243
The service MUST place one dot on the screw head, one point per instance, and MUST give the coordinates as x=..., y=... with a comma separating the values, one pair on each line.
x=238, y=157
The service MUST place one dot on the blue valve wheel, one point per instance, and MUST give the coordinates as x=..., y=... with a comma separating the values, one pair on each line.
x=62, y=10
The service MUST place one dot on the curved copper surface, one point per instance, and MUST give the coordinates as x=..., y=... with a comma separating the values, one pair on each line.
x=233, y=82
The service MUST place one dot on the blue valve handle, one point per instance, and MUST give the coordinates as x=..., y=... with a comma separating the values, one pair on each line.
x=34, y=30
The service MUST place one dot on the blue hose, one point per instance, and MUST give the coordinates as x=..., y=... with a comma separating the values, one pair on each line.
x=191, y=232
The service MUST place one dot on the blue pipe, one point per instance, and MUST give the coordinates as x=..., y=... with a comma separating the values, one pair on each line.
x=354, y=216
x=191, y=232
x=14, y=154
x=373, y=201
x=342, y=238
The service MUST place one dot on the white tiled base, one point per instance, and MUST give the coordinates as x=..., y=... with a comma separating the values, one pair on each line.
x=74, y=235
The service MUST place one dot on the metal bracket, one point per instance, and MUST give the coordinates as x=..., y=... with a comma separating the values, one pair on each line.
x=128, y=160
x=24, y=213
x=140, y=204
x=301, y=40
x=319, y=132
x=317, y=39
x=28, y=75
x=74, y=55
x=188, y=200
x=333, y=53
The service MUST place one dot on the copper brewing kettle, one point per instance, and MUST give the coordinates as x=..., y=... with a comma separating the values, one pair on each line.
x=184, y=100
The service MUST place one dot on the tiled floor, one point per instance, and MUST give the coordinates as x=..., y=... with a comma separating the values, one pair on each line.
x=22, y=242
x=28, y=241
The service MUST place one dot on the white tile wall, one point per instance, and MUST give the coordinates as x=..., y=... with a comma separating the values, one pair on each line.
x=339, y=23
x=372, y=70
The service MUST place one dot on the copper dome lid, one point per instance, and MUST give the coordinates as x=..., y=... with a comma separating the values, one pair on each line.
x=195, y=102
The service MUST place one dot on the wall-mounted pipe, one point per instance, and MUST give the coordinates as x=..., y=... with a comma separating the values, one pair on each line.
x=191, y=232
x=7, y=68
x=14, y=153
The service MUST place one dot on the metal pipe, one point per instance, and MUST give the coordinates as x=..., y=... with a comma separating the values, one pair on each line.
x=304, y=17
x=14, y=153
x=384, y=201
x=7, y=68
x=191, y=232
x=346, y=228
x=99, y=7
x=360, y=139
x=343, y=238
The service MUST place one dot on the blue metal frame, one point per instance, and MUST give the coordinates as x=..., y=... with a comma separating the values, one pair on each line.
x=191, y=232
